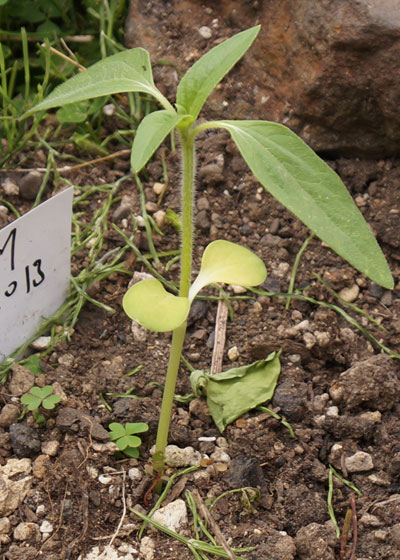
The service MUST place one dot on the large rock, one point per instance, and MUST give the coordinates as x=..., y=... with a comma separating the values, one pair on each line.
x=15, y=482
x=329, y=69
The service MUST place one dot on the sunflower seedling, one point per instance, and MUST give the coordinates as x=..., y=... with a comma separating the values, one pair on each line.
x=124, y=437
x=279, y=160
x=37, y=398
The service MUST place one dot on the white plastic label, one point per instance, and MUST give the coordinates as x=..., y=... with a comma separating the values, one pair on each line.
x=34, y=269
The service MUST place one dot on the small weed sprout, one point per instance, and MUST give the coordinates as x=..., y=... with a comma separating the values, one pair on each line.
x=37, y=398
x=279, y=160
x=125, y=439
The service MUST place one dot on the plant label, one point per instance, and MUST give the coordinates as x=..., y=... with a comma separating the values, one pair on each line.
x=34, y=269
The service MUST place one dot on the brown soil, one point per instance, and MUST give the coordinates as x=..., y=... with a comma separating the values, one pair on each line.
x=318, y=345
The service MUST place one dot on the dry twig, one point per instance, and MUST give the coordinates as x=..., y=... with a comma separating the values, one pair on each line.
x=205, y=513
x=220, y=334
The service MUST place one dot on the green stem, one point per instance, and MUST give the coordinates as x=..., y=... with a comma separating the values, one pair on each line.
x=178, y=336
x=187, y=146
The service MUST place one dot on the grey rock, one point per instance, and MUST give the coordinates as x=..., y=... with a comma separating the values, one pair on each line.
x=24, y=440
x=315, y=542
x=359, y=462
x=275, y=545
x=21, y=380
x=124, y=209
x=173, y=516
x=290, y=397
x=30, y=184
x=328, y=69
x=8, y=415
x=70, y=419
x=371, y=384
x=27, y=532
x=177, y=457
x=10, y=187
x=203, y=221
x=246, y=471
x=12, y=489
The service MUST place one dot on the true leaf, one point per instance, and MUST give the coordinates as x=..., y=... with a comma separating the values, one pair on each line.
x=33, y=364
x=131, y=452
x=42, y=392
x=30, y=401
x=232, y=393
x=136, y=427
x=200, y=80
x=309, y=188
x=150, y=133
x=148, y=303
x=122, y=72
x=117, y=430
x=50, y=402
x=229, y=263
x=73, y=112
x=129, y=441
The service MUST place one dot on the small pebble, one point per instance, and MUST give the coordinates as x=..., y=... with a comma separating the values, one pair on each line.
x=151, y=207
x=109, y=110
x=372, y=416
x=332, y=412
x=173, y=515
x=104, y=479
x=177, y=457
x=159, y=188
x=370, y=520
x=140, y=221
x=46, y=527
x=30, y=184
x=381, y=535
x=159, y=217
x=135, y=474
x=10, y=188
x=220, y=456
x=50, y=447
x=323, y=338
x=147, y=546
x=350, y=294
x=233, y=353
x=221, y=442
x=203, y=204
x=205, y=32
x=238, y=289
x=41, y=343
x=66, y=360
x=359, y=462
x=256, y=308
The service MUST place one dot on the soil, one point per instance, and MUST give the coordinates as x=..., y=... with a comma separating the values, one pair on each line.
x=337, y=389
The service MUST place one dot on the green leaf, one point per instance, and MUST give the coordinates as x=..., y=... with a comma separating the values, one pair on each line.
x=229, y=263
x=236, y=391
x=150, y=133
x=148, y=303
x=136, y=427
x=309, y=188
x=73, y=112
x=42, y=392
x=30, y=401
x=122, y=72
x=116, y=430
x=50, y=402
x=128, y=441
x=132, y=452
x=199, y=81
x=33, y=364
